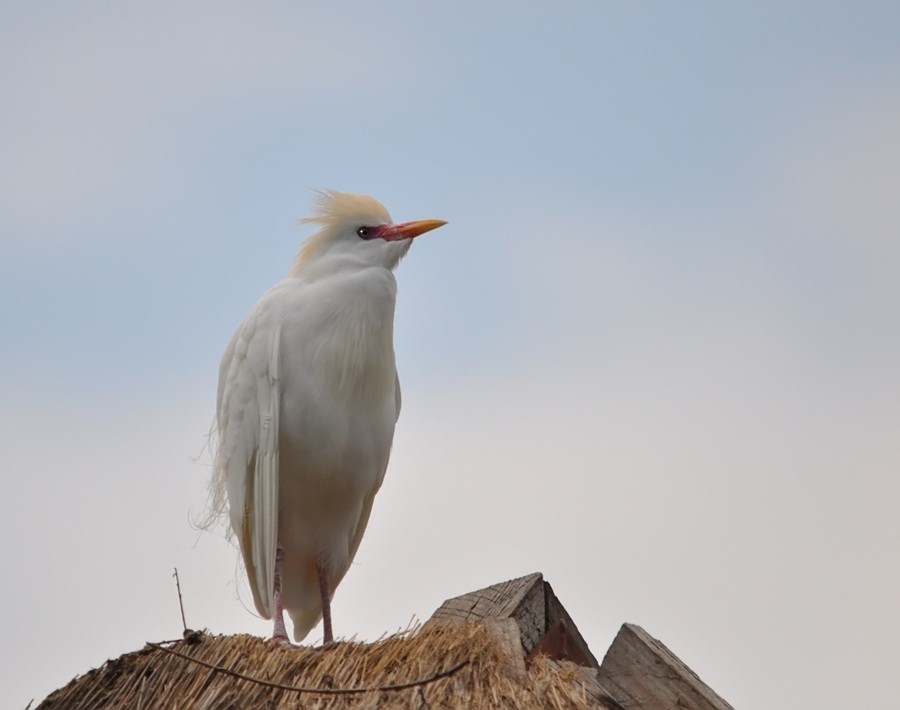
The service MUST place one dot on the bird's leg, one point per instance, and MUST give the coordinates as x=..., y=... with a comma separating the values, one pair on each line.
x=326, y=604
x=279, y=634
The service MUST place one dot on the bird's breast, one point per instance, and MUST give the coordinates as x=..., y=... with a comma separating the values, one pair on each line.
x=338, y=357
x=339, y=408
x=351, y=352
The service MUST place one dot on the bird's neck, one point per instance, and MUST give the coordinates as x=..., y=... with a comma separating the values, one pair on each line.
x=314, y=262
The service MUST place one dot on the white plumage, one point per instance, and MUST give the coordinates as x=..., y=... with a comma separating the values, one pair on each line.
x=307, y=402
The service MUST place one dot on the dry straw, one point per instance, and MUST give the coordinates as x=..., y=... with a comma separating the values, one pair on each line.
x=441, y=665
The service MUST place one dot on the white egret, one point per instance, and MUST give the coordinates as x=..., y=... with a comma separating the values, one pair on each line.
x=307, y=402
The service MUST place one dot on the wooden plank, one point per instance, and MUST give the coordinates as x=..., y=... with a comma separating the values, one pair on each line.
x=556, y=613
x=529, y=600
x=642, y=673
x=521, y=599
x=499, y=601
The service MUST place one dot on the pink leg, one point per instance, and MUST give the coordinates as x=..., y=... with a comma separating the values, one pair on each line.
x=326, y=605
x=279, y=634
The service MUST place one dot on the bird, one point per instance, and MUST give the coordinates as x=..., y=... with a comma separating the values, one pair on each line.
x=308, y=398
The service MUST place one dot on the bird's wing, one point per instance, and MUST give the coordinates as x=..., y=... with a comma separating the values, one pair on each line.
x=363, y=520
x=249, y=403
x=366, y=509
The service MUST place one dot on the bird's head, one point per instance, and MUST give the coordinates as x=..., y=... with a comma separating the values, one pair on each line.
x=357, y=229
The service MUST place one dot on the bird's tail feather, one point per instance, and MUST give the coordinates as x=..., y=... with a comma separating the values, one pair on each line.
x=305, y=620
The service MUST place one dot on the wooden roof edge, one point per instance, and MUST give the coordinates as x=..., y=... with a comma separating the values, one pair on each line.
x=638, y=667
x=630, y=672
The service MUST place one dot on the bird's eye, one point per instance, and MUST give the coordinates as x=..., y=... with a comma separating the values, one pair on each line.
x=362, y=232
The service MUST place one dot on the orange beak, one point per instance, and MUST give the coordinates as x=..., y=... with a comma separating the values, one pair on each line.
x=408, y=230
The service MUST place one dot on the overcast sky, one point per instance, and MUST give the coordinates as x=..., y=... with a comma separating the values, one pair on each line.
x=655, y=354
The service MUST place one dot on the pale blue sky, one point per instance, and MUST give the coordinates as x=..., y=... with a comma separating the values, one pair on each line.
x=655, y=354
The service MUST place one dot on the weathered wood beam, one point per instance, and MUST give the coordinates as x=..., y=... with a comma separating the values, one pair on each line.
x=641, y=673
x=531, y=602
x=637, y=673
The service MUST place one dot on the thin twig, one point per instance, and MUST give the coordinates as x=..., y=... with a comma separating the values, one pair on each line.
x=180, y=603
x=324, y=691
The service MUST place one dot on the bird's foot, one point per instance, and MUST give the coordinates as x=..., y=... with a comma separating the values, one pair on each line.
x=280, y=640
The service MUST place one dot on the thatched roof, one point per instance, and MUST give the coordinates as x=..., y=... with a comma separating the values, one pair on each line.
x=511, y=644
x=451, y=664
